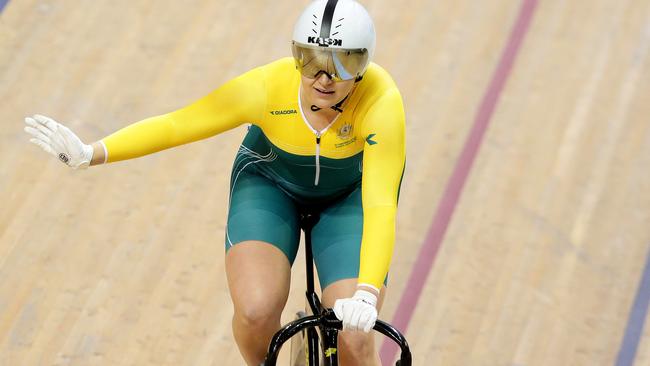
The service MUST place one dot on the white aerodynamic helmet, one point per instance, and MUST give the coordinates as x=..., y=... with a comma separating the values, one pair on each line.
x=336, y=37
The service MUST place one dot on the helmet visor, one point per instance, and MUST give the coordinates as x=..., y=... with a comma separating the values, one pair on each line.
x=337, y=64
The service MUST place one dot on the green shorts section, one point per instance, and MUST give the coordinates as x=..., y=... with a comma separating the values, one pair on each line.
x=336, y=239
x=259, y=210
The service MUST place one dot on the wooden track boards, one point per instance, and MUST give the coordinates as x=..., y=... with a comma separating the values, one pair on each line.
x=123, y=265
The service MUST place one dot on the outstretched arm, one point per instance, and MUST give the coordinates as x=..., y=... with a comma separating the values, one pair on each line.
x=239, y=100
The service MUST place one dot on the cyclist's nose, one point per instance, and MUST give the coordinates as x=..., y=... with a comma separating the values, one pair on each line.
x=324, y=78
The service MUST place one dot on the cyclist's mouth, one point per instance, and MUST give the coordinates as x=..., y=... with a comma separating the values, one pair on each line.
x=325, y=92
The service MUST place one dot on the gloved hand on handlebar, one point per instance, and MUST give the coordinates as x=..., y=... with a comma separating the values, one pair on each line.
x=358, y=312
x=59, y=141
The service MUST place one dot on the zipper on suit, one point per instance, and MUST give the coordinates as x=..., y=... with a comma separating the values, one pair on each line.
x=318, y=134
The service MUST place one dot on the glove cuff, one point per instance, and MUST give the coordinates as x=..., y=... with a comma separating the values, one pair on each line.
x=366, y=297
x=86, y=157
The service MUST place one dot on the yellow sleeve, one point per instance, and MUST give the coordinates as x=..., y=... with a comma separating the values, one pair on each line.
x=238, y=101
x=384, y=157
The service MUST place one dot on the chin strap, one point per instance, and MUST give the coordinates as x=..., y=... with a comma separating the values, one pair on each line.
x=337, y=106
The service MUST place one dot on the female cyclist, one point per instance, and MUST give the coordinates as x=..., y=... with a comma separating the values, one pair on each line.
x=326, y=134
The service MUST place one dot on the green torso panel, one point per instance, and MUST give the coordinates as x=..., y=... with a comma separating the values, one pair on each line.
x=296, y=174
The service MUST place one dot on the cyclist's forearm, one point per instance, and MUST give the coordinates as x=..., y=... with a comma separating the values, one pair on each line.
x=377, y=245
x=146, y=137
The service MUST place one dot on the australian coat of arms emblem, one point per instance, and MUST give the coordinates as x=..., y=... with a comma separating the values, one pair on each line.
x=345, y=131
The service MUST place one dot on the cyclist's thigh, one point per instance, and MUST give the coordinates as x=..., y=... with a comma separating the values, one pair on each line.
x=260, y=211
x=336, y=240
x=259, y=276
x=262, y=237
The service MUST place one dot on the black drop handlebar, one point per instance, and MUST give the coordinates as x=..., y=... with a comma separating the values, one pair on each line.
x=329, y=320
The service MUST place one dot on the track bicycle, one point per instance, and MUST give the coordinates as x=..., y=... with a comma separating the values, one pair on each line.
x=305, y=327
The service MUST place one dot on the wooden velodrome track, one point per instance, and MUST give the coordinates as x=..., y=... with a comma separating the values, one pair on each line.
x=541, y=263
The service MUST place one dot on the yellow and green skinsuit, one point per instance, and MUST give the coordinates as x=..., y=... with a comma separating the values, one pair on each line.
x=362, y=150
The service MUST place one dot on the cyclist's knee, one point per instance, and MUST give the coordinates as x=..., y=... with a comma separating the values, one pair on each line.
x=257, y=315
x=356, y=347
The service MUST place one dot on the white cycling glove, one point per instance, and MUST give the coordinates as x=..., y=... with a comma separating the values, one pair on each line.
x=59, y=141
x=358, y=312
